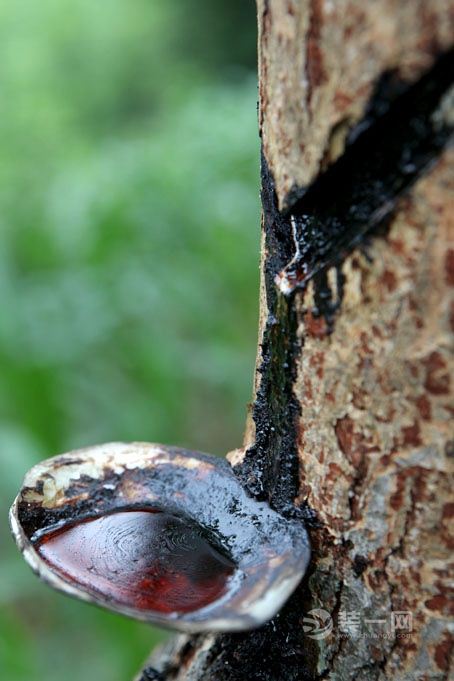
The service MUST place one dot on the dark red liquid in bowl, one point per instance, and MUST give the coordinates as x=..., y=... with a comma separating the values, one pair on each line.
x=145, y=560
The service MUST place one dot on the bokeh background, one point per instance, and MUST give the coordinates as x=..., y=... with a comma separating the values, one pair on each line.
x=129, y=240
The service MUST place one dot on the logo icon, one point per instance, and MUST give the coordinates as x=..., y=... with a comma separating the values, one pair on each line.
x=402, y=619
x=318, y=624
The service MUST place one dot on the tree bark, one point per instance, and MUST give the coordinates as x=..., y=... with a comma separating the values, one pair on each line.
x=350, y=426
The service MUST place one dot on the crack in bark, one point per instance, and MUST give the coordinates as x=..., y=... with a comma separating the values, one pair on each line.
x=338, y=649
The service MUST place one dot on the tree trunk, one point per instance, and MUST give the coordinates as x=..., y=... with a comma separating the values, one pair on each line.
x=350, y=425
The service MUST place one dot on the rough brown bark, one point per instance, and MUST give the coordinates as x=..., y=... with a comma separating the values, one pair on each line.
x=374, y=437
x=351, y=427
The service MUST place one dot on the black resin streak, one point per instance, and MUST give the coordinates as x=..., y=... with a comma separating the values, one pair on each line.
x=278, y=651
x=325, y=304
x=361, y=189
x=388, y=88
x=270, y=468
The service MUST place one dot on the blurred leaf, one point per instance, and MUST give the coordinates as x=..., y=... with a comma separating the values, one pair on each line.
x=129, y=238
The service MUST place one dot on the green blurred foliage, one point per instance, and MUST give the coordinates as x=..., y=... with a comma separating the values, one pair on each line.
x=128, y=266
